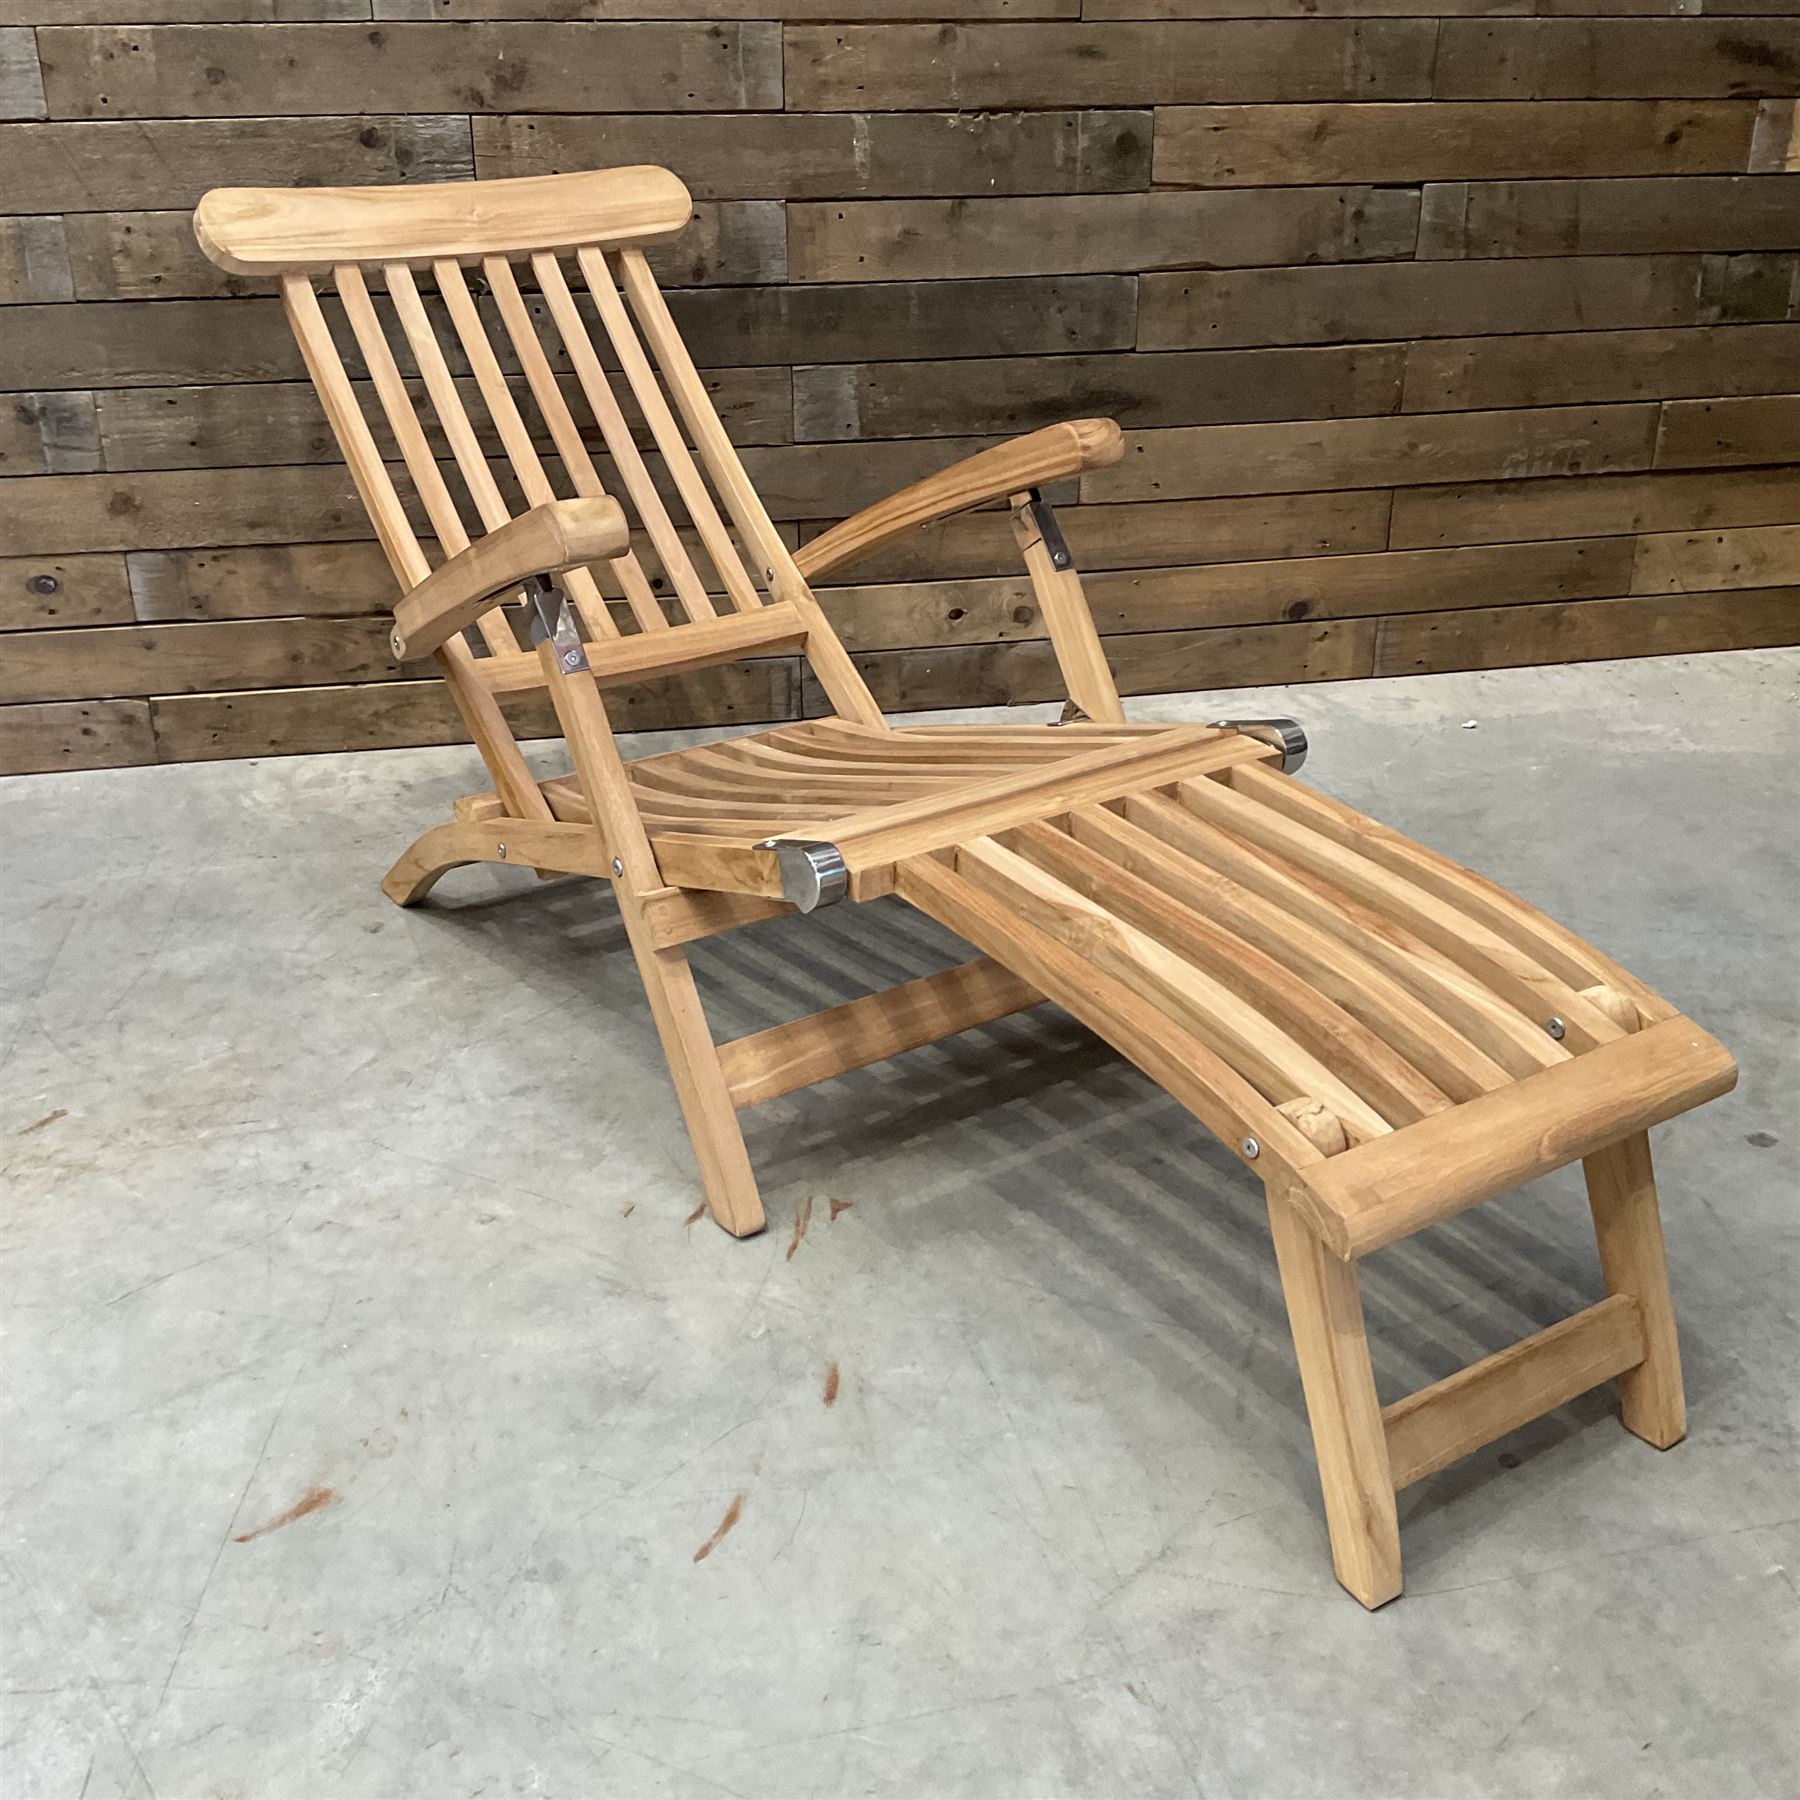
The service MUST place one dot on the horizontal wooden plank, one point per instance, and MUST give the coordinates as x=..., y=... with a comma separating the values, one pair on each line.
x=154, y=255
x=174, y=342
x=127, y=660
x=795, y=10
x=827, y=156
x=40, y=592
x=1146, y=662
x=1711, y=434
x=222, y=71
x=1556, y=59
x=1346, y=302
x=997, y=609
x=1250, y=459
x=1656, y=625
x=84, y=734
x=34, y=261
x=176, y=12
x=900, y=68
x=264, y=581
x=48, y=434
x=922, y=399
x=1511, y=511
x=923, y=240
x=1606, y=217
x=180, y=508
x=1696, y=562
x=1602, y=365
x=1443, y=140
x=248, y=423
x=390, y=714
x=117, y=165
x=1376, y=9
x=1142, y=535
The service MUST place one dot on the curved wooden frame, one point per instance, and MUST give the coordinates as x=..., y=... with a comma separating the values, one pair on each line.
x=1385, y=1038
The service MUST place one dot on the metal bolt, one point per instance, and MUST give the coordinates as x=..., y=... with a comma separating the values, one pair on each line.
x=571, y=659
x=44, y=584
x=501, y=849
x=1555, y=1027
x=618, y=867
x=768, y=574
x=1252, y=1149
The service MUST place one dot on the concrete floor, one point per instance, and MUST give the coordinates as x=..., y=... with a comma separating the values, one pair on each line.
x=368, y=1401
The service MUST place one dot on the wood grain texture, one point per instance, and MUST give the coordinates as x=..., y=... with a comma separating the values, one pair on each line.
x=1463, y=332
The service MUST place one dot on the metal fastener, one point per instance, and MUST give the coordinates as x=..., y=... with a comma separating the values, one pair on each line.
x=1555, y=1027
x=44, y=584
x=1252, y=1149
x=501, y=849
x=618, y=866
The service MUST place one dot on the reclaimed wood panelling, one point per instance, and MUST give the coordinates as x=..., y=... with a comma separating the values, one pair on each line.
x=1445, y=335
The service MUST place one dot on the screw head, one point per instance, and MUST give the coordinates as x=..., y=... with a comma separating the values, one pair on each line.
x=618, y=866
x=44, y=584
x=571, y=659
x=1252, y=1149
x=1555, y=1027
x=500, y=850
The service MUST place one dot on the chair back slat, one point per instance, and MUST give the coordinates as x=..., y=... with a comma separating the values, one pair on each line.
x=755, y=528
x=585, y=361
x=677, y=458
x=386, y=513
x=553, y=408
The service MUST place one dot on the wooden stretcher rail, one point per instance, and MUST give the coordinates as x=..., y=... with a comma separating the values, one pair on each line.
x=1379, y=1192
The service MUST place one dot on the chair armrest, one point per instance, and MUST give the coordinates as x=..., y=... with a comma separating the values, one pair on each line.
x=1053, y=454
x=561, y=534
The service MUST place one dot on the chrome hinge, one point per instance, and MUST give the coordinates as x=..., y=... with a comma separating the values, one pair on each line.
x=812, y=874
x=553, y=617
x=1043, y=517
x=1284, y=735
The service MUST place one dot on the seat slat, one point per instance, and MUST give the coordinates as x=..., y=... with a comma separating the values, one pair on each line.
x=1236, y=1030
x=1510, y=973
x=1497, y=1030
x=1370, y=1065
x=1367, y=992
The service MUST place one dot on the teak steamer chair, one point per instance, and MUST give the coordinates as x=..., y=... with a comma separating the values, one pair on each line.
x=1382, y=1036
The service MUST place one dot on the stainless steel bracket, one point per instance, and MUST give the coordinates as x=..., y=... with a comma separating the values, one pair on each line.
x=552, y=617
x=1043, y=517
x=812, y=874
x=1285, y=734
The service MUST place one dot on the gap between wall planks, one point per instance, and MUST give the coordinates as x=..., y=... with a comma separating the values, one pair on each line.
x=1494, y=357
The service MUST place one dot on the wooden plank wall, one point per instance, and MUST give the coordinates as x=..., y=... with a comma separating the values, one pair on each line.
x=1445, y=338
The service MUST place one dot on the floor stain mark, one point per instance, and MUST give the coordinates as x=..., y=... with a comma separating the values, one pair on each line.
x=840, y=1206
x=630, y=1207
x=802, y=1219
x=696, y=1215
x=831, y=1384
x=315, y=1499
x=49, y=1118
x=733, y=1513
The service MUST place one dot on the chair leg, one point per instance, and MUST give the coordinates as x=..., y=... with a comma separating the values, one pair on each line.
x=1325, y=1313
x=712, y=1119
x=1622, y=1195
x=416, y=873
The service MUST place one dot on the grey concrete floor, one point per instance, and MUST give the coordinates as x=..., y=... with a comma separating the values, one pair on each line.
x=369, y=1400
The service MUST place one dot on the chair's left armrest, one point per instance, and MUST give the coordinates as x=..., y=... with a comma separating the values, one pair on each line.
x=1053, y=454
x=559, y=535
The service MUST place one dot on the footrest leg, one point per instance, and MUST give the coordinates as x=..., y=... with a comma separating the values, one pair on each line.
x=1324, y=1305
x=1622, y=1195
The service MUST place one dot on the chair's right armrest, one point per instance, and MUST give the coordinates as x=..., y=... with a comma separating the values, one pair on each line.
x=559, y=535
x=1053, y=454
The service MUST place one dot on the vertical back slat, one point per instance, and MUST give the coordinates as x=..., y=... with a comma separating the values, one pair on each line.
x=716, y=449
x=689, y=482
x=367, y=470
x=619, y=442
x=515, y=436
x=564, y=432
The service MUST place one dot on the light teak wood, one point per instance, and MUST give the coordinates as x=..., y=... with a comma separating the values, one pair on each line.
x=1384, y=1037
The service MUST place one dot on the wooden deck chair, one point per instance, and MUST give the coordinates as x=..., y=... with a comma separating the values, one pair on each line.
x=1383, y=1037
